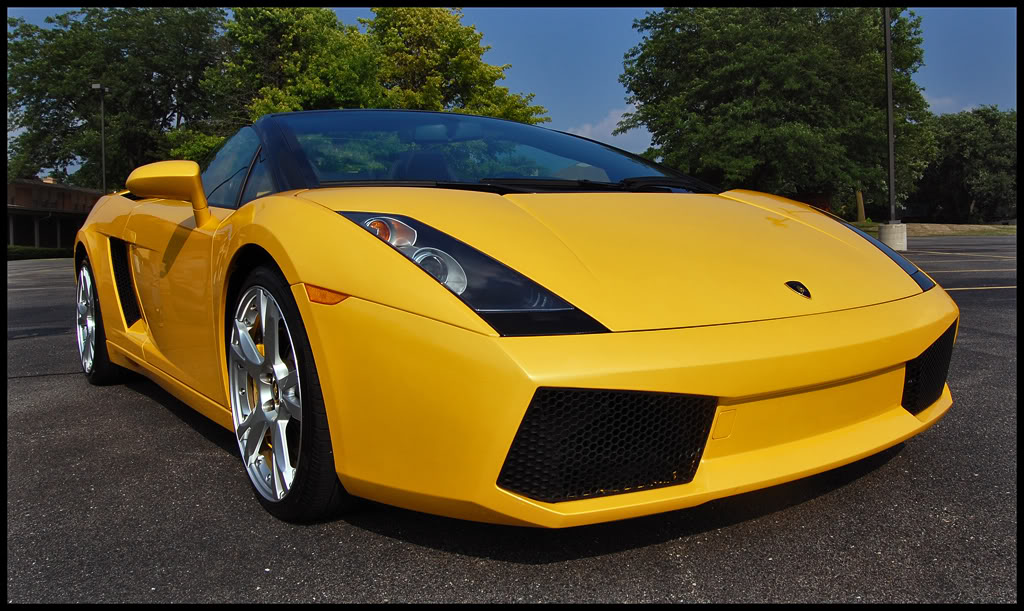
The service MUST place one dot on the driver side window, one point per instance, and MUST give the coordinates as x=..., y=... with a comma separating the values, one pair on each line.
x=224, y=174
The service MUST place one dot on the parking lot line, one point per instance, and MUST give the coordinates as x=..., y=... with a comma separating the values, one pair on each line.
x=956, y=271
x=38, y=288
x=929, y=262
x=979, y=288
x=960, y=254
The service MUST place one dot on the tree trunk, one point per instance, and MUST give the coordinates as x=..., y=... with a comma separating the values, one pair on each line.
x=860, y=207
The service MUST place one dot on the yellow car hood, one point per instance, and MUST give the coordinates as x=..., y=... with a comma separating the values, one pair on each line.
x=637, y=261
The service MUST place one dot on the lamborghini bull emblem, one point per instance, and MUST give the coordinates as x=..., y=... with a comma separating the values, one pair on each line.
x=799, y=288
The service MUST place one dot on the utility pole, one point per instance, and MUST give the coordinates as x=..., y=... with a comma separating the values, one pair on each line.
x=102, y=135
x=888, y=88
x=894, y=233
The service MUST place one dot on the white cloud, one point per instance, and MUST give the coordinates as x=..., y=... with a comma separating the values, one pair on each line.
x=636, y=140
x=942, y=104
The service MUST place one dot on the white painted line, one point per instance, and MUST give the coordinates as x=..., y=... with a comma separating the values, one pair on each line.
x=42, y=288
x=961, y=254
x=952, y=261
x=927, y=259
x=955, y=271
x=979, y=288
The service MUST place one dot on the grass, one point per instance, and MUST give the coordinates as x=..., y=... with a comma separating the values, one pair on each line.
x=942, y=229
x=15, y=253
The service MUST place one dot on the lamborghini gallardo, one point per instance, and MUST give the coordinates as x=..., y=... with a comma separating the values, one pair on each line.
x=499, y=322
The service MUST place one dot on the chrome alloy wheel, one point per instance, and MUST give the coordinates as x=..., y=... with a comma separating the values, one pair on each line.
x=86, y=319
x=266, y=404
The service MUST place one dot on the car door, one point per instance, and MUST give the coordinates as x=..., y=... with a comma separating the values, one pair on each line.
x=172, y=260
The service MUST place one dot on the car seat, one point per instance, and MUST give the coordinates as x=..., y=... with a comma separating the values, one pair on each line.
x=420, y=165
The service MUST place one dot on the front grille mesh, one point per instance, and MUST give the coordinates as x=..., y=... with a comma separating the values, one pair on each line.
x=926, y=375
x=123, y=280
x=579, y=443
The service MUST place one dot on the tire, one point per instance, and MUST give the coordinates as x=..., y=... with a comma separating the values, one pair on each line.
x=277, y=405
x=89, y=333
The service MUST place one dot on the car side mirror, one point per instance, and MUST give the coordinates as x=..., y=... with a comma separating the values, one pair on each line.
x=172, y=180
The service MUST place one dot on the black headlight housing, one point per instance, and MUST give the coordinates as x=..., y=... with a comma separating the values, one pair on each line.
x=510, y=302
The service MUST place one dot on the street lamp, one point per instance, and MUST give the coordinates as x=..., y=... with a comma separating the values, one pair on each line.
x=893, y=234
x=103, y=138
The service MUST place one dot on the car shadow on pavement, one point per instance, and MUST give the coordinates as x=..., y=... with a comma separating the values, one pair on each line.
x=541, y=546
x=527, y=545
x=190, y=417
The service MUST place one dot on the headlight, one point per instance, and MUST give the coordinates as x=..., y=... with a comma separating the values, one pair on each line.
x=509, y=301
x=919, y=276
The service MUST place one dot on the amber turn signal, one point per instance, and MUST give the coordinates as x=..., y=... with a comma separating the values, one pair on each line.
x=321, y=295
x=381, y=229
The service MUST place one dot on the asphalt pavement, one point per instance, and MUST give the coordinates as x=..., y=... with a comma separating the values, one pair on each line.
x=124, y=494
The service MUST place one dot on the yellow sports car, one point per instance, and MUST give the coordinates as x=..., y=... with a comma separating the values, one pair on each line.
x=499, y=322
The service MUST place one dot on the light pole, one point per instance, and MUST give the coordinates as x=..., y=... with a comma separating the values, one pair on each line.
x=103, y=137
x=894, y=233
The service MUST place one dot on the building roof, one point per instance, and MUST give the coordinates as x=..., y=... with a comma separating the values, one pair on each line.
x=35, y=182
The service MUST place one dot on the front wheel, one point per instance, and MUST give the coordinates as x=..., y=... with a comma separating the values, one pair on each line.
x=277, y=406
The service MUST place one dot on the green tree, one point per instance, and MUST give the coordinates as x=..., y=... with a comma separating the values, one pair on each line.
x=430, y=61
x=786, y=100
x=191, y=143
x=283, y=59
x=974, y=177
x=181, y=80
x=151, y=60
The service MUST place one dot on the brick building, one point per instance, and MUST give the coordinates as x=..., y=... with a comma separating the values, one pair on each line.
x=43, y=213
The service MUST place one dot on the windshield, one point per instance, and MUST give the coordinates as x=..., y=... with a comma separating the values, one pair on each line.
x=351, y=146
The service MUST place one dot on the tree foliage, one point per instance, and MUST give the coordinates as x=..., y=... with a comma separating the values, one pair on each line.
x=430, y=61
x=182, y=79
x=284, y=59
x=151, y=60
x=974, y=176
x=787, y=100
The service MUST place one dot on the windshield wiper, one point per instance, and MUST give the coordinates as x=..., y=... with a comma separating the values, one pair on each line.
x=502, y=186
x=679, y=182
x=554, y=184
x=500, y=189
x=648, y=184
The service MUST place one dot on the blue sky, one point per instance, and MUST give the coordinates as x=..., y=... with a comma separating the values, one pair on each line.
x=571, y=59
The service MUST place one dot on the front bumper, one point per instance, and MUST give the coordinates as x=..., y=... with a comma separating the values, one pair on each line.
x=422, y=414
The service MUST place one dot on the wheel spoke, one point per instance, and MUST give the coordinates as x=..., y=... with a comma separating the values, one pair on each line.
x=245, y=351
x=254, y=416
x=254, y=441
x=261, y=310
x=290, y=400
x=286, y=378
x=284, y=473
x=270, y=318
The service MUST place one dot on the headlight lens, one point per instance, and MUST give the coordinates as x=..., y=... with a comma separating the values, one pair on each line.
x=440, y=265
x=509, y=301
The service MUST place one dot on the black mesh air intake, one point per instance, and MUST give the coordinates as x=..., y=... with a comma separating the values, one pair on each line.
x=123, y=279
x=926, y=375
x=578, y=443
